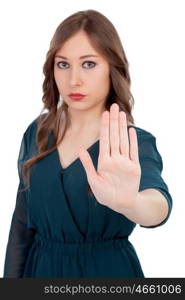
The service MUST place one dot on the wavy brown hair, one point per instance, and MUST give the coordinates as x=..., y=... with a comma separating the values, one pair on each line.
x=106, y=41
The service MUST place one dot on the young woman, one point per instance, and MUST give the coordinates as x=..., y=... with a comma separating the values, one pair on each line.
x=87, y=174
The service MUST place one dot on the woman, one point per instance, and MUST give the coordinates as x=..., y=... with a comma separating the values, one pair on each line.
x=87, y=174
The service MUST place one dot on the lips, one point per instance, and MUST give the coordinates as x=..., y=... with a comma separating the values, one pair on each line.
x=76, y=96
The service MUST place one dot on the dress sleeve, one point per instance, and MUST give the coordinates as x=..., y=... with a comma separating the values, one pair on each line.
x=20, y=236
x=151, y=171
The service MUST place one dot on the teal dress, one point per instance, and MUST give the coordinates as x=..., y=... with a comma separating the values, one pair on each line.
x=58, y=229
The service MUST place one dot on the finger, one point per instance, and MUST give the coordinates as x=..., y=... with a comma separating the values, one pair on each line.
x=104, y=145
x=133, y=145
x=124, y=141
x=114, y=129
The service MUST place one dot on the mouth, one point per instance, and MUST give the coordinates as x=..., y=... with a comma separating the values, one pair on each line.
x=76, y=96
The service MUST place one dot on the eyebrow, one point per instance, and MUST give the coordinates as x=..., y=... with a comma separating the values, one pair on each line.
x=81, y=57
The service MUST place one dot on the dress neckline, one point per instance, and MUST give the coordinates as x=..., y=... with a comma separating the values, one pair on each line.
x=76, y=160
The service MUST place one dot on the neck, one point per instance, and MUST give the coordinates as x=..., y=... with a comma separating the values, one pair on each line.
x=80, y=120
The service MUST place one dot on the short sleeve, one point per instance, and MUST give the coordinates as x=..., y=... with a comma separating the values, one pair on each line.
x=151, y=170
x=20, y=236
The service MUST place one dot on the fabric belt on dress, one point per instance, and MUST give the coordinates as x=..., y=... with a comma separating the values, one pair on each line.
x=73, y=247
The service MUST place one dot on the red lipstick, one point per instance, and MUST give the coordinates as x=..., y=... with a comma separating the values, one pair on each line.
x=76, y=96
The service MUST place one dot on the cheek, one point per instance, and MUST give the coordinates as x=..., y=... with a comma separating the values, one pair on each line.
x=102, y=80
x=59, y=79
x=102, y=75
x=56, y=76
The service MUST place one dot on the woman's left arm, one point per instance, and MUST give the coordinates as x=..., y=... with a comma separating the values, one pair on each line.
x=128, y=178
x=150, y=208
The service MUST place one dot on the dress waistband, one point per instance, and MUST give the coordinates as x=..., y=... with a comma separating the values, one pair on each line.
x=75, y=246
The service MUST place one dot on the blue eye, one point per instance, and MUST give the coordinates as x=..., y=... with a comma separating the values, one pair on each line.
x=90, y=62
x=60, y=62
x=63, y=62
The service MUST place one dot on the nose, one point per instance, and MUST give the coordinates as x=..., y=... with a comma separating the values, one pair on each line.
x=75, y=77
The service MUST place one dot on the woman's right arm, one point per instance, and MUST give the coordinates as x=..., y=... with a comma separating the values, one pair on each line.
x=20, y=239
x=20, y=236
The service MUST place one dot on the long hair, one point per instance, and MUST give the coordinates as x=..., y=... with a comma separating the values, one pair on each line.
x=106, y=41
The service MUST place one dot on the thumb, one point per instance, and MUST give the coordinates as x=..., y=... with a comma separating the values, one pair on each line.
x=87, y=163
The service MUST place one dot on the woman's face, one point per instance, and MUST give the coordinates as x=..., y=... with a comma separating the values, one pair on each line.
x=88, y=75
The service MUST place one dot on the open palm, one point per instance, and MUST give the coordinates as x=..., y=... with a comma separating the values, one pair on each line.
x=116, y=181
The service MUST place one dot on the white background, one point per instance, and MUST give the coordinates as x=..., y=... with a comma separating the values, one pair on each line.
x=153, y=38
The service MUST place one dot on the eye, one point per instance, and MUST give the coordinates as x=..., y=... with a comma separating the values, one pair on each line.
x=60, y=62
x=90, y=62
x=63, y=62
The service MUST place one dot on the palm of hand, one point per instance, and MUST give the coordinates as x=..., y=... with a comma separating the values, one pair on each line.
x=116, y=181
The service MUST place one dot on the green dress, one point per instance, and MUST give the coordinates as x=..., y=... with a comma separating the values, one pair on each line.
x=58, y=229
